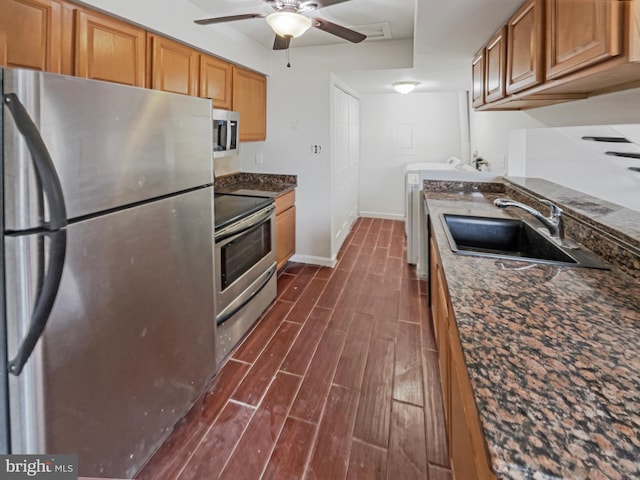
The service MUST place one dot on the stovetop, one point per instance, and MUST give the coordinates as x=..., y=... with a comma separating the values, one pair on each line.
x=230, y=208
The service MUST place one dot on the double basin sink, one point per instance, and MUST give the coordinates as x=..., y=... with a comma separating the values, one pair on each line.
x=513, y=239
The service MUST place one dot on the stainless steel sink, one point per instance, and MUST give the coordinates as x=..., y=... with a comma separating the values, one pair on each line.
x=511, y=239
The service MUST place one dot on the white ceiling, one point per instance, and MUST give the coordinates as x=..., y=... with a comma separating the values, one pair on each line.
x=398, y=15
x=446, y=34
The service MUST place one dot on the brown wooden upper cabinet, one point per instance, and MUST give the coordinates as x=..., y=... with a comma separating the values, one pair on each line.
x=525, y=67
x=31, y=34
x=109, y=49
x=581, y=33
x=478, y=72
x=250, y=99
x=495, y=64
x=173, y=67
x=563, y=50
x=215, y=81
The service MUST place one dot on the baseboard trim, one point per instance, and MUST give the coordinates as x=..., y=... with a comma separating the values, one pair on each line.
x=385, y=216
x=313, y=260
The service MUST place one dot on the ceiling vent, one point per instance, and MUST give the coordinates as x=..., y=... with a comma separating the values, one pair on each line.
x=375, y=31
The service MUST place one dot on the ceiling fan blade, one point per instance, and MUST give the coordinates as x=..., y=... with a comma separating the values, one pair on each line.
x=339, y=31
x=230, y=18
x=281, y=43
x=327, y=3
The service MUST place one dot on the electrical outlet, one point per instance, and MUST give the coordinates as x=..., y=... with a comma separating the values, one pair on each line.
x=413, y=178
x=259, y=159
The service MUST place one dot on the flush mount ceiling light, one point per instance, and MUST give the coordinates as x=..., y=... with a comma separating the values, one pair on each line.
x=288, y=24
x=405, y=87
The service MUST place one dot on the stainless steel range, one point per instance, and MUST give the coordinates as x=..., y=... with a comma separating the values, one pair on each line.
x=245, y=264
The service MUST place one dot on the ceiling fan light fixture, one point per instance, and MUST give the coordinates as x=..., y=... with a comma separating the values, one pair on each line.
x=288, y=24
x=405, y=87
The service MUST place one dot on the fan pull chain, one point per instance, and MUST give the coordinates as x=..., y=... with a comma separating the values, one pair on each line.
x=288, y=62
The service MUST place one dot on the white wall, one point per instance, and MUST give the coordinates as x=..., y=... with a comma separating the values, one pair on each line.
x=399, y=129
x=298, y=116
x=562, y=156
x=490, y=130
x=539, y=143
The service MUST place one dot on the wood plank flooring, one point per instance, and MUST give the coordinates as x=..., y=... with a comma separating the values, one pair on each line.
x=338, y=380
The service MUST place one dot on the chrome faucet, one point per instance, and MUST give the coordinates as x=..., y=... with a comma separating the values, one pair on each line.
x=553, y=222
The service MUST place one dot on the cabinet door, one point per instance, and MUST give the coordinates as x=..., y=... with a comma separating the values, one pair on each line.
x=496, y=61
x=285, y=227
x=250, y=99
x=173, y=66
x=524, y=51
x=108, y=49
x=441, y=317
x=478, y=76
x=285, y=236
x=462, y=451
x=215, y=81
x=30, y=34
x=581, y=33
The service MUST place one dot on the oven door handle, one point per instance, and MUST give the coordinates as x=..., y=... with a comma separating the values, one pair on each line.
x=246, y=296
x=243, y=225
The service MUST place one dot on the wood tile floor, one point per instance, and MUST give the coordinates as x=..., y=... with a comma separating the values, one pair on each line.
x=338, y=380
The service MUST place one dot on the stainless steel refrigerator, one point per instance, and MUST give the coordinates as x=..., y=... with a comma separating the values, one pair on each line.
x=107, y=271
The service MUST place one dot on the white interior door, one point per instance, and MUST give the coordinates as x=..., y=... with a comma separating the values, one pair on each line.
x=353, y=167
x=345, y=160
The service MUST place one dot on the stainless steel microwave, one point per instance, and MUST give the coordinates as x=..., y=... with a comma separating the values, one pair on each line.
x=226, y=128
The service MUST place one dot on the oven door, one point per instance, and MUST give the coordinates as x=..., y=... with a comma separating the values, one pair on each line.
x=244, y=253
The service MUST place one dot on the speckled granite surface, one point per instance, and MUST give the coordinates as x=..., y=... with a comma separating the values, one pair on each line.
x=553, y=355
x=611, y=231
x=259, y=184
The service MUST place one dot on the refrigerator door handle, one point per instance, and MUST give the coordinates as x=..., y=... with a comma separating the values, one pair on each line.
x=52, y=189
x=44, y=301
x=44, y=167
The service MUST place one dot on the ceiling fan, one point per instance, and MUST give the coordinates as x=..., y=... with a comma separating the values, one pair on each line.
x=288, y=22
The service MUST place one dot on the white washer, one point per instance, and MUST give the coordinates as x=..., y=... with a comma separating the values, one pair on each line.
x=415, y=214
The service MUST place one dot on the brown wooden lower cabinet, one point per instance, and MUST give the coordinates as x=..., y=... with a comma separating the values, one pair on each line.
x=285, y=227
x=467, y=446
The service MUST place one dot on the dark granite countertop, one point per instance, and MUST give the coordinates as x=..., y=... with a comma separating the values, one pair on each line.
x=255, y=184
x=553, y=354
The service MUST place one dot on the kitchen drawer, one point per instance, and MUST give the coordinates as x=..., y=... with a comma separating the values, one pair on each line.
x=285, y=202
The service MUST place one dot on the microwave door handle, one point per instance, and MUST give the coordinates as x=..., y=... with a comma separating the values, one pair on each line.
x=229, y=134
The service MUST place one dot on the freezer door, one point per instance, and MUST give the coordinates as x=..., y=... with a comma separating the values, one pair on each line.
x=112, y=145
x=129, y=344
